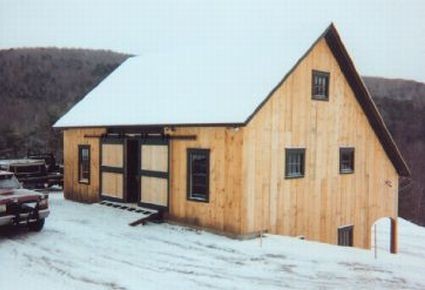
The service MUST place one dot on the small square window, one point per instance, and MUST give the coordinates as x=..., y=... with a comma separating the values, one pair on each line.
x=320, y=85
x=295, y=163
x=198, y=170
x=345, y=236
x=346, y=160
x=84, y=164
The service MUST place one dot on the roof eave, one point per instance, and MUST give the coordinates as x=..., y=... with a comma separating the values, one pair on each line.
x=123, y=126
x=365, y=100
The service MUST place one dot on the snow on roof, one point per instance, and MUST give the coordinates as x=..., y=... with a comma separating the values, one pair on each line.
x=219, y=80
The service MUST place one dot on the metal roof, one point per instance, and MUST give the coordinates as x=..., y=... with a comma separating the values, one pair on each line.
x=223, y=84
x=201, y=83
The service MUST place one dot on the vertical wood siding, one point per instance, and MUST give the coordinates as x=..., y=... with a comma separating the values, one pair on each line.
x=222, y=212
x=72, y=188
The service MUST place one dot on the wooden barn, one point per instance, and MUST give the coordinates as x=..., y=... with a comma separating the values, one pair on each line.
x=278, y=139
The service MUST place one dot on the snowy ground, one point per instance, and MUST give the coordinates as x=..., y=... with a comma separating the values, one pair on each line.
x=91, y=247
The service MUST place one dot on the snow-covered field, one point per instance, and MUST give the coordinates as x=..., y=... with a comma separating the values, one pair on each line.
x=92, y=247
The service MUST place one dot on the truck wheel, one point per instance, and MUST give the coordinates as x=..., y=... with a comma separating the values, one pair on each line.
x=36, y=226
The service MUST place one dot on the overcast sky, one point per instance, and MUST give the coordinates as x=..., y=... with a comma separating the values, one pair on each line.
x=385, y=38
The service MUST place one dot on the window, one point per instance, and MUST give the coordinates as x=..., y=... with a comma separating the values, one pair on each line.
x=198, y=171
x=345, y=236
x=295, y=159
x=346, y=160
x=9, y=181
x=84, y=164
x=320, y=85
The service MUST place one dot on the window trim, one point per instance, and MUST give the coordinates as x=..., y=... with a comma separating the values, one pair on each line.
x=349, y=227
x=294, y=150
x=80, y=148
x=191, y=151
x=352, y=151
x=328, y=78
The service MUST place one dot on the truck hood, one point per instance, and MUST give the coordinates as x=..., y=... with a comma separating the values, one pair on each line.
x=19, y=195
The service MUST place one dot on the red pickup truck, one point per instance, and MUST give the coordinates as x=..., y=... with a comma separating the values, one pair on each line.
x=20, y=206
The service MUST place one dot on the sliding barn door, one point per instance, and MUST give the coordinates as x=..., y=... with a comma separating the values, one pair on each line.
x=112, y=169
x=154, y=173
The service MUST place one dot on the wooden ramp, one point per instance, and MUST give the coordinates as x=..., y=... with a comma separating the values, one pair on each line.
x=154, y=217
x=146, y=215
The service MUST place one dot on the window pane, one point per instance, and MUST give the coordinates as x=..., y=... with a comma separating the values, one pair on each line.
x=302, y=164
x=84, y=163
x=200, y=180
x=320, y=85
x=198, y=170
x=198, y=190
x=294, y=162
x=85, y=153
x=345, y=236
x=346, y=160
x=297, y=163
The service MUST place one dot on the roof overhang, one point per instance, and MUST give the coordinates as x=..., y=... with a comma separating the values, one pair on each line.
x=365, y=100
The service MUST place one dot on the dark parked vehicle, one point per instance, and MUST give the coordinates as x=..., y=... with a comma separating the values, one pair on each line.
x=19, y=206
x=33, y=173
x=49, y=159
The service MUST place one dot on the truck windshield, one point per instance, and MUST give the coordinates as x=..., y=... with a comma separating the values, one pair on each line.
x=9, y=182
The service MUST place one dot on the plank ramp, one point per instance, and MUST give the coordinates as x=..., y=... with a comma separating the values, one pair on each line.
x=146, y=214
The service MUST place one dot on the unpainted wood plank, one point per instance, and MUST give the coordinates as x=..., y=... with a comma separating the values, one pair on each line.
x=113, y=155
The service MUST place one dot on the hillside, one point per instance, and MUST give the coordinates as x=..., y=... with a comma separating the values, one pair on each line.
x=38, y=85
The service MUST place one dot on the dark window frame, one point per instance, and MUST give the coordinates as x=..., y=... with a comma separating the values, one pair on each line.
x=346, y=236
x=189, y=196
x=288, y=152
x=80, y=149
x=344, y=151
x=327, y=77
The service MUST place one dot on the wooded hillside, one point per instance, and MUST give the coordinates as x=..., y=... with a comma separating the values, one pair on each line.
x=402, y=105
x=39, y=85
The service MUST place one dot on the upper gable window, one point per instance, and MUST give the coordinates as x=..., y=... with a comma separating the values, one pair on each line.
x=346, y=160
x=320, y=85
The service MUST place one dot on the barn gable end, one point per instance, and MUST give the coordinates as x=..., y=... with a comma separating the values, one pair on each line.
x=317, y=204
